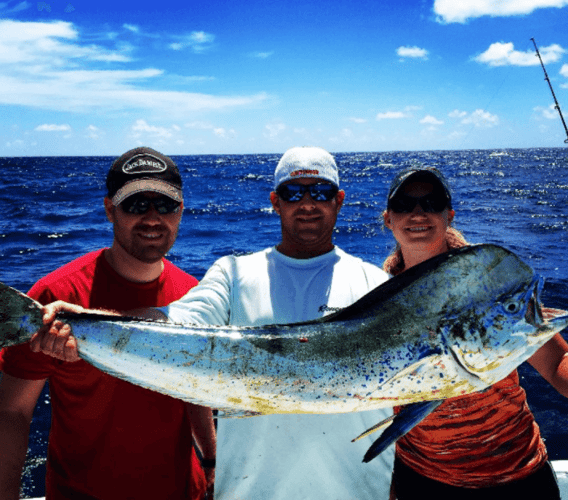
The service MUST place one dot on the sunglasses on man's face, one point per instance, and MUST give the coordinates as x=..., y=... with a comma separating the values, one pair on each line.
x=404, y=204
x=318, y=192
x=139, y=204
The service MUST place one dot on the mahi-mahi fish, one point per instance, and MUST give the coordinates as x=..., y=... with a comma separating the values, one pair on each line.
x=449, y=326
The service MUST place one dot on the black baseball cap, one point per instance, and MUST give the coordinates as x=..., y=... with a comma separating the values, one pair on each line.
x=417, y=174
x=143, y=169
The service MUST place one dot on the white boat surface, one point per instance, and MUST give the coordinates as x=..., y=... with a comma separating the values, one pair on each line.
x=560, y=467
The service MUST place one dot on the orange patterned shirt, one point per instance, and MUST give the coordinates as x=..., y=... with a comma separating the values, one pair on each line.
x=479, y=440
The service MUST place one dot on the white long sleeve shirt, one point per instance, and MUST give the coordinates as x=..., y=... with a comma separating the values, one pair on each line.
x=289, y=457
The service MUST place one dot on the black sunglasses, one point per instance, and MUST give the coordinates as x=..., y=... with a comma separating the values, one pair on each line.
x=318, y=192
x=139, y=204
x=403, y=204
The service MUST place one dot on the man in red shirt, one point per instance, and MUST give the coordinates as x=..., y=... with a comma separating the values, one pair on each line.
x=110, y=439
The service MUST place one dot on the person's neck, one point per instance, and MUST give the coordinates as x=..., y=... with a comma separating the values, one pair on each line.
x=131, y=268
x=413, y=257
x=303, y=252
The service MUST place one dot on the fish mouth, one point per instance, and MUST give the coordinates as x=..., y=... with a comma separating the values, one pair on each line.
x=547, y=322
x=533, y=314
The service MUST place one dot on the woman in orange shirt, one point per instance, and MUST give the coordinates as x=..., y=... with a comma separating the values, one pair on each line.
x=487, y=444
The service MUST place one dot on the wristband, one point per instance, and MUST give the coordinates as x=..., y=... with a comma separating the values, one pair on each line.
x=208, y=463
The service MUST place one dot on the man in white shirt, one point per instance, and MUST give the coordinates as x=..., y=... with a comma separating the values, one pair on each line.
x=305, y=276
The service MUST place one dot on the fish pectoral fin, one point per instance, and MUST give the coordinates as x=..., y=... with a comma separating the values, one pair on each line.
x=415, y=369
x=412, y=383
x=377, y=427
x=475, y=362
x=403, y=422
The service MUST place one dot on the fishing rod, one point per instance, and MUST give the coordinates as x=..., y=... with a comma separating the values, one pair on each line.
x=556, y=105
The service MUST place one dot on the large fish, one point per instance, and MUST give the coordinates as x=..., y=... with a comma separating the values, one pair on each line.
x=452, y=325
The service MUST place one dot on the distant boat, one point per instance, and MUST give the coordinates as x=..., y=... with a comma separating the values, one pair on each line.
x=498, y=154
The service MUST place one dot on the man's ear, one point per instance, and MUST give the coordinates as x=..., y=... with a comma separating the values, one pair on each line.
x=109, y=209
x=275, y=200
x=339, y=198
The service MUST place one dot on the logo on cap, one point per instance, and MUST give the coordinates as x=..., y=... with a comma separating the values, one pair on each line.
x=298, y=173
x=144, y=164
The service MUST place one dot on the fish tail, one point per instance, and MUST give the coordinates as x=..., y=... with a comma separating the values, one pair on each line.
x=20, y=317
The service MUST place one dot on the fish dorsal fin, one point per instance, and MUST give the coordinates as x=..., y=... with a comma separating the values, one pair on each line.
x=365, y=305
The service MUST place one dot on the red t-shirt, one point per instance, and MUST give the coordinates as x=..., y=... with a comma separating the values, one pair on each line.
x=109, y=439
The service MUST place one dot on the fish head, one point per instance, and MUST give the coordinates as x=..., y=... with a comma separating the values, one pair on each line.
x=494, y=336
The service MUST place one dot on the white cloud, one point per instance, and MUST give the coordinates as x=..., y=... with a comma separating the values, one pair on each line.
x=46, y=66
x=412, y=52
x=47, y=127
x=358, y=120
x=17, y=8
x=15, y=143
x=564, y=72
x=457, y=135
x=261, y=55
x=48, y=44
x=504, y=54
x=391, y=115
x=273, y=130
x=452, y=11
x=344, y=135
x=456, y=113
x=396, y=115
x=131, y=27
x=223, y=133
x=481, y=118
x=549, y=113
x=198, y=41
x=93, y=132
x=199, y=125
x=142, y=128
x=431, y=120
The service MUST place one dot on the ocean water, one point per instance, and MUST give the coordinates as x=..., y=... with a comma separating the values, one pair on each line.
x=53, y=212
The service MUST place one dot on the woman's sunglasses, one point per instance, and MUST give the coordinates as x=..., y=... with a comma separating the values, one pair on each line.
x=318, y=192
x=404, y=204
x=139, y=204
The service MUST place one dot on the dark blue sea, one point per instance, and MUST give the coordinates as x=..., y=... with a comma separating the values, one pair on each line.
x=52, y=212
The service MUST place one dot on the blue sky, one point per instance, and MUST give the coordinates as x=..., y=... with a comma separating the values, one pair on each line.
x=221, y=77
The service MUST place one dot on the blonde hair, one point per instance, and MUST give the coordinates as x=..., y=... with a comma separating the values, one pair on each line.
x=394, y=263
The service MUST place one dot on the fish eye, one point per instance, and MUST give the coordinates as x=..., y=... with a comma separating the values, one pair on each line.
x=512, y=306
